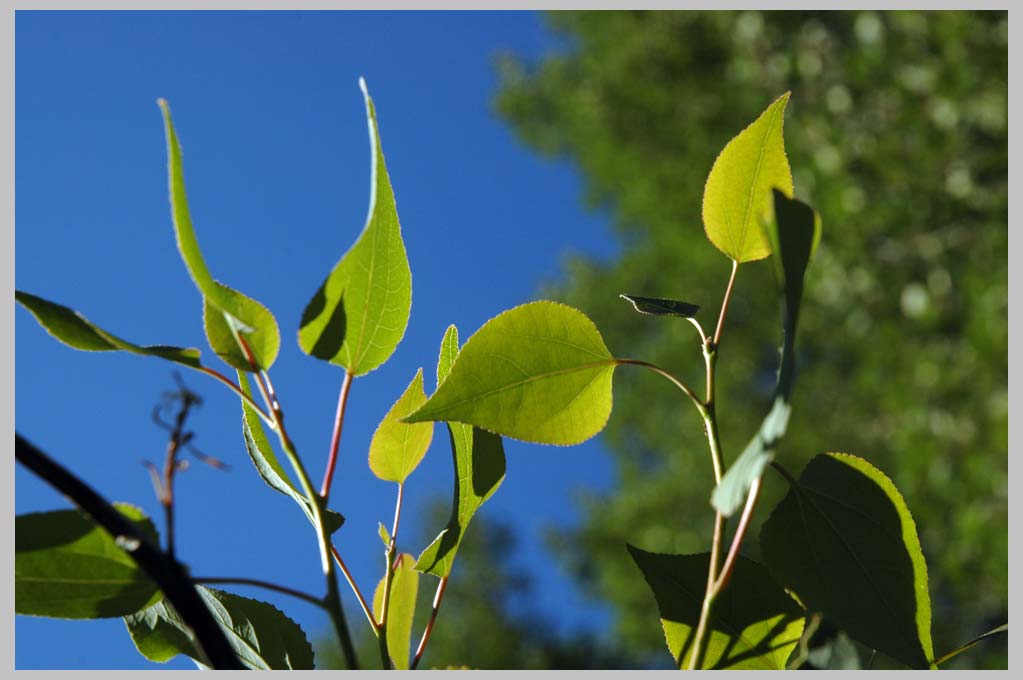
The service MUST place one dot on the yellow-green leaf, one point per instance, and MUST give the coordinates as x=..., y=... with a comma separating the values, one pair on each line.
x=539, y=372
x=401, y=608
x=737, y=195
x=359, y=314
x=397, y=447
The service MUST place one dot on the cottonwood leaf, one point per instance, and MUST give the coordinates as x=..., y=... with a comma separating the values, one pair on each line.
x=844, y=541
x=67, y=566
x=479, y=463
x=261, y=636
x=225, y=310
x=793, y=232
x=359, y=314
x=754, y=624
x=397, y=448
x=539, y=372
x=74, y=330
x=401, y=608
x=662, y=306
x=269, y=467
x=737, y=195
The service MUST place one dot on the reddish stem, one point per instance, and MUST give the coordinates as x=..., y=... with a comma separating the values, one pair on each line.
x=335, y=439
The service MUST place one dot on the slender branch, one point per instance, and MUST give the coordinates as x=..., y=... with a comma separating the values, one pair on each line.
x=311, y=599
x=385, y=657
x=438, y=596
x=355, y=588
x=169, y=574
x=333, y=598
x=696, y=655
x=812, y=624
x=699, y=329
x=740, y=532
x=660, y=371
x=237, y=390
x=1004, y=628
x=724, y=303
x=335, y=437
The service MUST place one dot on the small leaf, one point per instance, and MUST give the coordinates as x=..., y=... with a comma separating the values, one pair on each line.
x=401, y=608
x=223, y=308
x=74, y=330
x=754, y=624
x=844, y=541
x=359, y=314
x=662, y=306
x=66, y=566
x=385, y=535
x=267, y=465
x=261, y=636
x=539, y=372
x=737, y=195
x=479, y=464
x=793, y=232
x=397, y=447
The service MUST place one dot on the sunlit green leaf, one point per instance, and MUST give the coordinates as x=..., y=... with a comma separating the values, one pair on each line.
x=223, y=307
x=267, y=465
x=479, y=465
x=754, y=624
x=401, y=608
x=662, y=306
x=67, y=566
x=794, y=232
x=397, y=447
x=261, y=636
x=74, y=330
x=359, y=314
x=844, y=541
x=737, y=195
x=539, y=372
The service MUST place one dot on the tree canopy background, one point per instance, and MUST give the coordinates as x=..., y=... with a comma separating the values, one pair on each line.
x=897, y=134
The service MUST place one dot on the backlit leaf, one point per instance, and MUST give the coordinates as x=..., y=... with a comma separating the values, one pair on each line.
x=754, y=624
x=794, y=232
x=262, y=637
x=479, y=464
x=397, y=447
x=737, y=195
x=844, y=541
x=74, y=330
x=223, y=308
x=539, y=372
x=359, y=314
x=401, y=608
x=67, y=566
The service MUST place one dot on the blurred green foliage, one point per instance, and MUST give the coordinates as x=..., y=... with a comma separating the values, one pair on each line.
x=897, y=134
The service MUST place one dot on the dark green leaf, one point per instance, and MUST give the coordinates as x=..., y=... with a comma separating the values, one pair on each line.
x=74, y=330
x=359, y=314
x=754, y=624
x=67, y=566
x=539, y=372
x=401, y=608
x=793, y=233
x=479, y=464
x=261, y=636
x=662, y=306
x=226, y=312
x=844, y=541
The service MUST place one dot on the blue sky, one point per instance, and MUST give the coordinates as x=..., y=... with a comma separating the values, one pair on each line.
x=272, y=123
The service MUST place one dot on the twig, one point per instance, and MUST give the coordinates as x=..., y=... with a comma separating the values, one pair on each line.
x=167, y=572
x=441, y=587
x=355, y=588
x=740, y=532
x=335, y=437
x=385, y=657
x=311, y=599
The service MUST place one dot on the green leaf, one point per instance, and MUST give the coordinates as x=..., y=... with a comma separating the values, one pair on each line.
x=261, y=636
x=397, y=447
x=539, y=372
x=844, y=541
x=74, y=330
x=794, y=232
x=662, y=306
x=754, y=624
x=267, y=465
x=737, y=195
x=479, y=463
x=359, y=314
x=400, y=609
x=67, y=566
x=225, y=310
x=384, y=534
